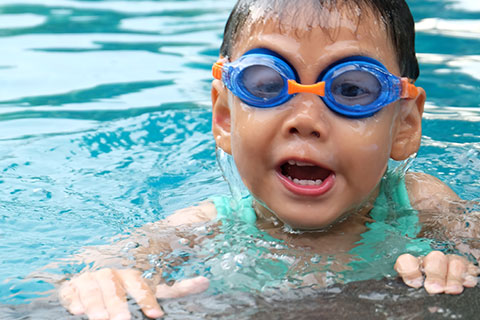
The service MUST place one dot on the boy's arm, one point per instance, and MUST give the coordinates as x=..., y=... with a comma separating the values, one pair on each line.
x=102, y=294
x=428, y=193
x=439, y=212
x=443, y=213
x=203, y=212
x=162, y=230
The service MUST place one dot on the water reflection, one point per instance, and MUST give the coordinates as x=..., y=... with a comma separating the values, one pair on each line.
x=456, y=28
x=104, y=112
x=19, y=21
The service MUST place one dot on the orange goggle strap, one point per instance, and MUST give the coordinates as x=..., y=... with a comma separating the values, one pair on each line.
x=409, y=90
x=217, y=70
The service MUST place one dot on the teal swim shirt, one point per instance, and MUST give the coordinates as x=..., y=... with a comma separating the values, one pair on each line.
x=393, y=232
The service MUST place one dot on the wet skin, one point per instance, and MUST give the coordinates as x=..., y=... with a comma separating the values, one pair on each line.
x=304, y=138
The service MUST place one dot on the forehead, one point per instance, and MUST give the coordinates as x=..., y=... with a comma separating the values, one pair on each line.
x=312, y=35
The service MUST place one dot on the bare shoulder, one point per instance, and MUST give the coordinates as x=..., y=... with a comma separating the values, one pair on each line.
x=427, y=192
x=203, y=212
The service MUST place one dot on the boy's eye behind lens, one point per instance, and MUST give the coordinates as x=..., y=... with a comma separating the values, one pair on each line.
x=262, y=81
x=355, y=88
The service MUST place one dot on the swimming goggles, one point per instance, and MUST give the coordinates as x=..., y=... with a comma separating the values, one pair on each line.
x=355, y=87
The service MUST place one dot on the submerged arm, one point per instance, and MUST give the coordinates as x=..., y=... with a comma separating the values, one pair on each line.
x=101, y=294
x=443, y=214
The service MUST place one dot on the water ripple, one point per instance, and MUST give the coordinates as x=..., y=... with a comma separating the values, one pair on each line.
x=20, y=21
x=463, y=28
x=105, y=122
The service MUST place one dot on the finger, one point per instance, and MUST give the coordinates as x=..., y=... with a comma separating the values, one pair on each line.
x=182, y=288
x=408, y=267
x=91, y=297
x=136, y=286
x=114, y=296
x=435, y=266
x=473, y=269
x=471, y=278
x=457, y=270
x=69, y=299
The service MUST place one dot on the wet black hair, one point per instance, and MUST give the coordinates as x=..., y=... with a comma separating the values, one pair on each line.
x=395, y=14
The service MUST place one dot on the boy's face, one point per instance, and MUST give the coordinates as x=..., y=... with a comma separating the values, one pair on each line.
x=303, y=138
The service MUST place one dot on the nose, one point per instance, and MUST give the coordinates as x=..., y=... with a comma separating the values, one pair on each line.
x=308, y=117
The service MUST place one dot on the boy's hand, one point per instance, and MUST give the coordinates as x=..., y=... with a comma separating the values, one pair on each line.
x=103, y=294
x=443, y=273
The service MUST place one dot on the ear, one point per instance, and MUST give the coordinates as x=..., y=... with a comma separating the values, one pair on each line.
x=408, y=133
x=221, y=116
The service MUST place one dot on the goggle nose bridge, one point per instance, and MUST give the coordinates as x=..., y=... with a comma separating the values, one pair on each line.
x=317, y=88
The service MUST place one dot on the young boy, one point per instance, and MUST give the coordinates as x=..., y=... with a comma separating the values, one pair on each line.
x=311, y=98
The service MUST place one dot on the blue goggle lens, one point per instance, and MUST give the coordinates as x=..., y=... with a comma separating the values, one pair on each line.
x=356, y=87
x=349, y=88
x=262, y=81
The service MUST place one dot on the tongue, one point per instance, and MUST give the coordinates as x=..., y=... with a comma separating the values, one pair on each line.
x=305, y=172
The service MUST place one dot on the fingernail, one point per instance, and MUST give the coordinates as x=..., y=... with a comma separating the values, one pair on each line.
x=77, y=310
x=154, y=313
x=470, y=281
x=454, y=289
x=433, y=287
x=415, y=283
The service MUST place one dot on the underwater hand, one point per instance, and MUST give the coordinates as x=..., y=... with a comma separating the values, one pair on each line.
x=443, y=273
x=102, y=294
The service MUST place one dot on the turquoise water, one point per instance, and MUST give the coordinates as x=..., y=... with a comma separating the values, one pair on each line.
x=104, y=110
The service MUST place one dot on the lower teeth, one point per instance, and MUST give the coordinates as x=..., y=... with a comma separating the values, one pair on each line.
x=306, y=182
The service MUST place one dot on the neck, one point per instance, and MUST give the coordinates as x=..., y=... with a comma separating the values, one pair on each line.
x=350, y=221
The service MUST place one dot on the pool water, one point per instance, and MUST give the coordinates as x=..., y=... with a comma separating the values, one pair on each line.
x=105, y=119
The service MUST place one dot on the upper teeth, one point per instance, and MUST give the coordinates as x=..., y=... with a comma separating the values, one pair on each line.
x=300, y=164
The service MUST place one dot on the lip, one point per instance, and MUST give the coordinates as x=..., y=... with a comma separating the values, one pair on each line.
x=307, y=190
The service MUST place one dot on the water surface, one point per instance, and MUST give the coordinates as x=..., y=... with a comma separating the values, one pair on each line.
x=104, y=112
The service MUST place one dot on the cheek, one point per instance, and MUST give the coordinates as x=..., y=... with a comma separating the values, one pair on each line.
x=245, y=147
x=366, y=156
x=248, y=160
x=253, y=129
x=371, y=160
x=243, y=138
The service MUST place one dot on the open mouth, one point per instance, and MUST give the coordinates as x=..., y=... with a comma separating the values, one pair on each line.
x=306, y=178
